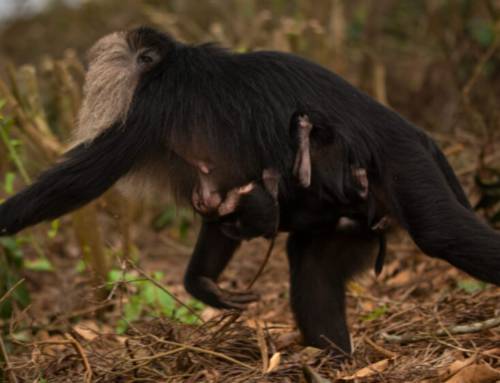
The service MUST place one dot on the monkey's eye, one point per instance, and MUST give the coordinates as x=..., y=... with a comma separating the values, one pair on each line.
x=148, y=58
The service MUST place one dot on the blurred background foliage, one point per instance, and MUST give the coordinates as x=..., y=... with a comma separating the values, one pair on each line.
x=434, y=61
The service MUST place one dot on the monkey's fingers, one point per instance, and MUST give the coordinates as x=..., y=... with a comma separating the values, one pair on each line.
x=207, y=291
x=382, y=224
x=238, y=299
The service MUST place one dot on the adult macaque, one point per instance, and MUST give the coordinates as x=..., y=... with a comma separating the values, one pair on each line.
x=151, y=102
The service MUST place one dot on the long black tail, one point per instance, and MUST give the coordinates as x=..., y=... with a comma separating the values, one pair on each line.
x=448, y=173
x=429, y=202
x=84, y=173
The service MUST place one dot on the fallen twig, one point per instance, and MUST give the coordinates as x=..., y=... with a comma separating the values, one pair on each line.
x=87, y=378
x=455, y=330
x=11, y=290
x=202, y=350
x=471, y=327
x=379, y=349
x=263, y=264
x=3, y=352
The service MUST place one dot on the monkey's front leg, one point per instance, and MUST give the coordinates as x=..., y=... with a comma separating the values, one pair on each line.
x=211, y=255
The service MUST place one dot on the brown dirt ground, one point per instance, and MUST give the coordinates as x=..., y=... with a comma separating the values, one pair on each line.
x=415, y=298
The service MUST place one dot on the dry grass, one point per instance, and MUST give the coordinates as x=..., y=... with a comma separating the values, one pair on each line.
x=427, y=326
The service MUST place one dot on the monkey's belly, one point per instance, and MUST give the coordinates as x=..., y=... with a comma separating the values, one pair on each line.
x=307, y=213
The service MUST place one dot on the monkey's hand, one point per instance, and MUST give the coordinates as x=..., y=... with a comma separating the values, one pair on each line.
x=207, y=291
x=383, y=224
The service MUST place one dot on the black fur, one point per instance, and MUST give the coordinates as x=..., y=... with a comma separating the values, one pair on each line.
x=239, y=107
x=257, y=215
x=83, y=174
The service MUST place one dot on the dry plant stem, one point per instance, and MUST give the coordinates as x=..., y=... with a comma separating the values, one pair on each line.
x=147, y=360
x=131, y=355
x=79, y=349
x=49, y=148
x=3, y=351
x=473, y=327
x=475, y=117
x=261, y=340
x=446, y=332
x=263, y=264
x=26, y=75
x=379, y=349
x=11, y=290
x=485, y=161
x=13, y=155
x=90, y=241
x=160, y=286
x=202, y=350
x=482, y=62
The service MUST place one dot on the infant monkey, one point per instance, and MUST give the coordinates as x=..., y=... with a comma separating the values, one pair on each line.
x=247, y=211
x=252, y=210
x=302, y=170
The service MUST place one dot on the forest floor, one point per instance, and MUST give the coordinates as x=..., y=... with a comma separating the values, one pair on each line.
x=419, y=321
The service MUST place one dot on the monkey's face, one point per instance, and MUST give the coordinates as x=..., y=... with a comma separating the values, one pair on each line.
x=116, y=64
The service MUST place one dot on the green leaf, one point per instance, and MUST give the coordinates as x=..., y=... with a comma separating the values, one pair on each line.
x=40, y=264
x=54, y=228
x=149, y=293
x=376, y=313
x=133, y=309
x=9, y=182
x=81, y=266
x=11, y=245
x=166, y=303
x=471, y=286
x=121, y=326
x=184, y=227
x=482, y=31
x=166, y=218
x=116, y=275
x=185, y=316
x=21, y=295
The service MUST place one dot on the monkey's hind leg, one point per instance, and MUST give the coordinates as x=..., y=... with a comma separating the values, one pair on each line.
x=320, y=264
